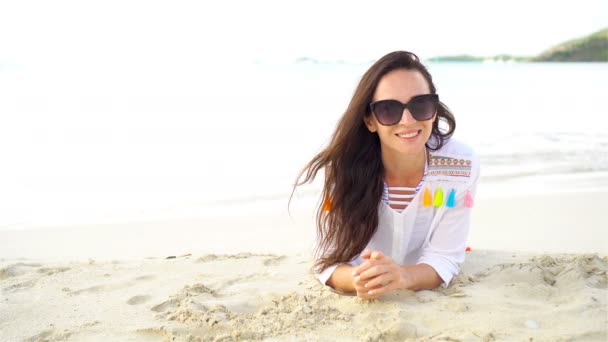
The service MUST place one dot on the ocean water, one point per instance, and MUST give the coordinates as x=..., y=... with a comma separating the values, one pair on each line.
x=97, y=144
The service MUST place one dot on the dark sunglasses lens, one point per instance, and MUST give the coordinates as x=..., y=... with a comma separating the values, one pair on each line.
x=388, y=112
x=423, y=107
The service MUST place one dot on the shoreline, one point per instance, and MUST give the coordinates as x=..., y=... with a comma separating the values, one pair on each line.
x=569, y=221
x=305, y=200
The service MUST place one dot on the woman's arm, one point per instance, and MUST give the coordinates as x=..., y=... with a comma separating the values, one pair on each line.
x=380, y=274
x=419, y=277
x=342, y=279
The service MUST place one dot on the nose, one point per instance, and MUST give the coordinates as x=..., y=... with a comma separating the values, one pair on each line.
x=407, y=117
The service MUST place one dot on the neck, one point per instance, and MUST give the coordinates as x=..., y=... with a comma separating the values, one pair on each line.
x=403, y=169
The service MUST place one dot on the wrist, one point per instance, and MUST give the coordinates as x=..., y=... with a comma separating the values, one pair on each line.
x=405, y=278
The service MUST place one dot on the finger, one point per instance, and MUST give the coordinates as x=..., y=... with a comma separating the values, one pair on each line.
x=378, y=291
x=361, y=289
x=380, y=281
x=366, y=253
x=377, y=255
x=364, y=294
x=369, y=264
x=367, y=288
x=360, y=284
x=367, y=296
x=363, y=267
x=374, y=271
x=381, y=290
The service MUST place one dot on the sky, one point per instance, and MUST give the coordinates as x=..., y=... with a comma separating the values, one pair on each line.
x=110, y=107
x=159, y=32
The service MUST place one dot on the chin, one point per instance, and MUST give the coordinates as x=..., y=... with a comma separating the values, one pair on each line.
x=408, y=149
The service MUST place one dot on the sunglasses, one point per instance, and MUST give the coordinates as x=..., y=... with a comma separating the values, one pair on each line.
x=389, y=112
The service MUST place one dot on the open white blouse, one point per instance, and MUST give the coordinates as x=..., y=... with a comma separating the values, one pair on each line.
x=434, y=234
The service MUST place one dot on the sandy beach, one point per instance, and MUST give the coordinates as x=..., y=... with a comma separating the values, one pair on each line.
x=148, y=151
x=537, y=272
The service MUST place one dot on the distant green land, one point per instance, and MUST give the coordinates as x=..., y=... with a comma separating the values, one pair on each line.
x=591, y=48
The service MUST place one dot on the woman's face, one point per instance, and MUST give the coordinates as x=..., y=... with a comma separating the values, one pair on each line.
x=409, y=135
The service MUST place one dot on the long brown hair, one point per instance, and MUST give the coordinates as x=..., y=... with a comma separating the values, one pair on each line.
x=354, y=174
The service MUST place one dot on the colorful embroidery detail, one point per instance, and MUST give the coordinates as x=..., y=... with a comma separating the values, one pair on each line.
x=451, y=203
x=427, y=198
x=438, y=198
x=448, y=166
x=468, y=200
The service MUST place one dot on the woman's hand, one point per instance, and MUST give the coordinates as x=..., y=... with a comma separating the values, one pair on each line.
x=377, y=275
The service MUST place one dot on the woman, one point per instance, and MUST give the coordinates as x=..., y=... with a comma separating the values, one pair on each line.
x=398, y=191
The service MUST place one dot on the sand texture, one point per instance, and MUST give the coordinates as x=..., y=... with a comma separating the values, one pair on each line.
x=498, y=296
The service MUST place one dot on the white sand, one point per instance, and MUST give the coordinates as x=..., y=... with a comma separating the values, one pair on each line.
x=248, y=279
x=498, y=296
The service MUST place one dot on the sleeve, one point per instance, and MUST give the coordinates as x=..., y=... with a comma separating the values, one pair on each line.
x=326, y=274
x=445, y=249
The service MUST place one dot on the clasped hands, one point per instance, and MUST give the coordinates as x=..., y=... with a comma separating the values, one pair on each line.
x=377, y=275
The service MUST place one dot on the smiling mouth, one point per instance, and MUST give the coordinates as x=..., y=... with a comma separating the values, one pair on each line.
x=409, y=135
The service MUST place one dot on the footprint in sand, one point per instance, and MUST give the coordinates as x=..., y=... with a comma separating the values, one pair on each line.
x=113, y=286
x=241, y=279
x=552, y=271
x=52, y=270
x=21, y=286
x=221, y=257
x=169, y=304
x=16, y=270
x=51, y=335
x=138, y=300
x=188, y=291
x=92, y=289
x=274, y=261
x=514, y=273
x=160, y=334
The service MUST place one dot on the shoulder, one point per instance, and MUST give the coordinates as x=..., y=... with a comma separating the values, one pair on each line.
x=455, y=159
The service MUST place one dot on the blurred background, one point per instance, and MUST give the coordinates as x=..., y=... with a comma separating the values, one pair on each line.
x=121, y=111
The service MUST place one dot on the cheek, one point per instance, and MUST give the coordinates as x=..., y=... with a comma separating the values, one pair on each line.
x=430, y=123
x=428, y=129
x=385, y=130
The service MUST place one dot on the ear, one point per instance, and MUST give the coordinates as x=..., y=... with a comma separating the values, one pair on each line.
x=370, y=123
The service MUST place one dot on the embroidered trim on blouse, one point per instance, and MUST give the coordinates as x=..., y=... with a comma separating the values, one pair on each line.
x=448, y=166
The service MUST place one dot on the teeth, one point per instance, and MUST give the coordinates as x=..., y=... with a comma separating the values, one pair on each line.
x=409, y=135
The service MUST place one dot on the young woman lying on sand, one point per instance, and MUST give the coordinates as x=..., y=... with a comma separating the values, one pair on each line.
x=398, y=191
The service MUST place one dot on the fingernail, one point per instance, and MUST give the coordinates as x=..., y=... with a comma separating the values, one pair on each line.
x=357, y=278
x=365, y=285
x=370, y=292
x=354, y=272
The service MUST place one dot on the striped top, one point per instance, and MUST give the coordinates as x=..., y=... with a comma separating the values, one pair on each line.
x=398, y=197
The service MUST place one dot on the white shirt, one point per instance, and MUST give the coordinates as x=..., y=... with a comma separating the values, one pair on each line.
x=433, y=235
